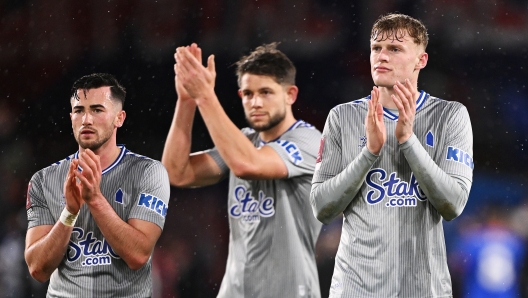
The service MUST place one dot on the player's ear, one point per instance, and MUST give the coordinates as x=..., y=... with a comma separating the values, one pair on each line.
x=120, y=118
x=240, y=93
x=292, y=92
x=422, y=61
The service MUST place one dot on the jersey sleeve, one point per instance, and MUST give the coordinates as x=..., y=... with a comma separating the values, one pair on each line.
x=445, y=182
x=218, y=158
x=153, y=197
x=224, y=169
x=335, y=185
x=37, y=209
x=329, y=161
x=458, y=151
x=298, y=149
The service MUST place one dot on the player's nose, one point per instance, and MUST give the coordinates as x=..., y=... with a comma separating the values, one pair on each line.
x=256, y=101
x=383, y=55
x=87, y=119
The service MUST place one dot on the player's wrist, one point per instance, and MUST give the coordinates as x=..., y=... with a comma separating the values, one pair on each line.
x=67, y=218
x=206, y=98
x=404, y=138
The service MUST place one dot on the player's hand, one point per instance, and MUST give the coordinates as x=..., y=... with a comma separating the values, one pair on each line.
x=374, y=125
x=405, y=100
x=182, y=93
x=90, y=177
x=197, y=80
x=72, y=189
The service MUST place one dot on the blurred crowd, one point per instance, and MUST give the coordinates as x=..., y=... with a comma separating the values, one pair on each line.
x=478, y=54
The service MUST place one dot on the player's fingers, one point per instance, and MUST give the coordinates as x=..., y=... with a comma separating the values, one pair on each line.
x=379, y=112
x=406, y=95
x=196, y=51
x=412, y=93
x=192, y=62
x=178, y=53
x=399, y=105
x=371, y=106
x=400, y=96
x=375, y=93
x=87, y=169
x=181, y=62
x=211, y=65
x=81, y=177
x=95, y=160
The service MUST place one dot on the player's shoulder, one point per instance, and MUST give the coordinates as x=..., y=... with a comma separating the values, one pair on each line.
x=249, y=132
x=358, y=104
x=301, y=127
x=138, y=160
x=451, y=105
x=54, y=169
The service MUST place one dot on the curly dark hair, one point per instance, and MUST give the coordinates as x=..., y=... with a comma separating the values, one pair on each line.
x=395, y=25
x=97, y=80
x=268, y=61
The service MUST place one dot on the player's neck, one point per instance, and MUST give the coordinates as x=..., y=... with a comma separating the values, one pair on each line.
x=276, y=131
x=386, y=99
x=107, y=153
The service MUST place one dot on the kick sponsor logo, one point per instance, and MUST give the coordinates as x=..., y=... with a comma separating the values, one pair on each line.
x=249, y=209
x=93, y=251
x=293, y=151
x=394, y=191
x=460, y=156
x=153, y=203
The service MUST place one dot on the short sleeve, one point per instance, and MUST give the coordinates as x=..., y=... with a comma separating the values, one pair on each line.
x=248, y=132
x=37, y=210
x=224, y=169
x=153, y=197
x=298, y=149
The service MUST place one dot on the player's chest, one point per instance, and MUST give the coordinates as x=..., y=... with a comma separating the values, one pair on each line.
x=430, y=134
x=251, y=201
x=119, y=193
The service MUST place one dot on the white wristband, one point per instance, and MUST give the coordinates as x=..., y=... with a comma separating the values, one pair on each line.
x=67, y=218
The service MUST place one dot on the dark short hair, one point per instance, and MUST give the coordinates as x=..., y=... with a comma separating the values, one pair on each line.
x=390, y=26
x=266, y=60
x=98, y=80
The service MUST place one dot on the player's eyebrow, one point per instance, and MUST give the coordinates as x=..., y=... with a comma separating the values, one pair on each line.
x=95, y=106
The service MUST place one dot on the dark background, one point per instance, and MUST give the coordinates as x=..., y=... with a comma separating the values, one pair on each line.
x=478, y=53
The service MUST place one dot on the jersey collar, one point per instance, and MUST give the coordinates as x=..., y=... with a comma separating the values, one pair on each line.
x=114, y=164
x=419, y=103
x=294, y=126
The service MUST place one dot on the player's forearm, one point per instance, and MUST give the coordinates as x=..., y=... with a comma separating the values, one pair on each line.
x=177, y=148
x=125, y=240
x=45, y=255
x=331, y=197
x=234, y=147
x=448, y=194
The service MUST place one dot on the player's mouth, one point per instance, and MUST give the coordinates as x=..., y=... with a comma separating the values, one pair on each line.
x=87, y=132
x=257, y=115
x=381, y=69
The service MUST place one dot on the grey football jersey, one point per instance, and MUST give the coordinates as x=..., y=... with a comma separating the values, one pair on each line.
x=392, y=242
x=136, y=187
x=272, y=228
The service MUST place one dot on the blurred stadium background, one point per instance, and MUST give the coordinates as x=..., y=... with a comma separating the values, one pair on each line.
x=478, y=54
